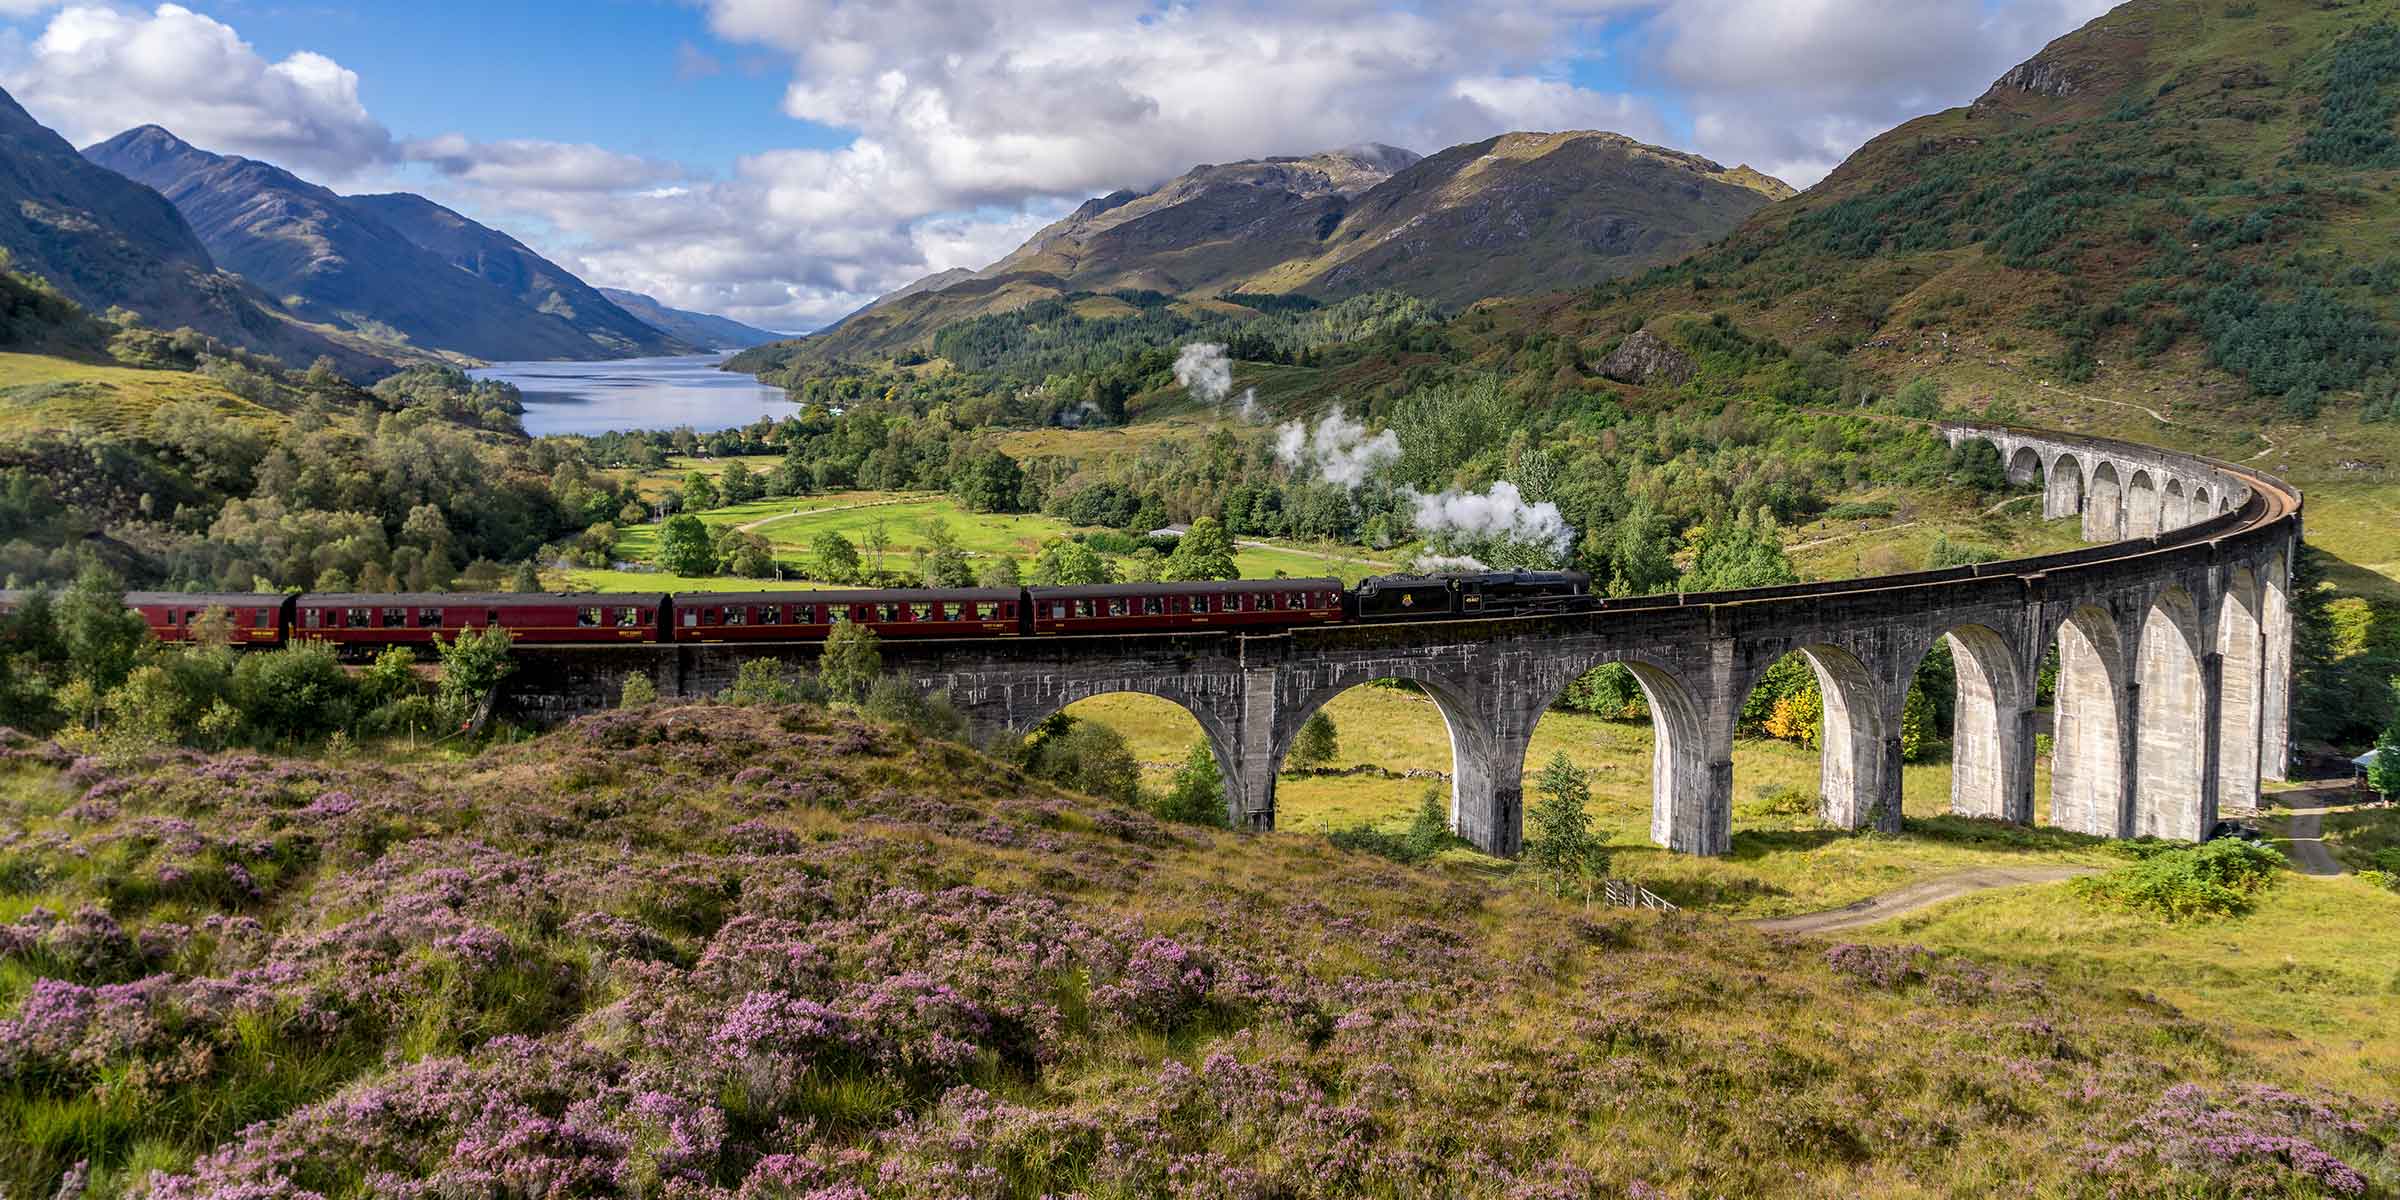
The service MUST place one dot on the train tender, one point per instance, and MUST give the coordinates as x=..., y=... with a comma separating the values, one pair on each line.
x=1488, y=594
x=1173, y=607
x=413, y=619
x=811, y=616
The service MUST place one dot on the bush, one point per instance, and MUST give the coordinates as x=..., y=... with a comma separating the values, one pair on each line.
x=1427, y=836
x=638, y=691
x=1084, y=756
x=899, y=702
x=756, y=681
x=2177, y=883
x=295, y=694
x=1197, y=794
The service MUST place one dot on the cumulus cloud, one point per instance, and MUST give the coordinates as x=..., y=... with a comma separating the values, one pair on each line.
x=96, y=72
x=970, y=123
x=1793, y=86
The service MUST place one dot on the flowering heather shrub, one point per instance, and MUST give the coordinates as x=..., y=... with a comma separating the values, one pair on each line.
x=759, y=954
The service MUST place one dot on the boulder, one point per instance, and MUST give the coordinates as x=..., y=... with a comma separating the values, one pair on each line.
x=1647, y=359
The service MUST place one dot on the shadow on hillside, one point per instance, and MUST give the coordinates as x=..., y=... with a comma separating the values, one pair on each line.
x=1984, y=833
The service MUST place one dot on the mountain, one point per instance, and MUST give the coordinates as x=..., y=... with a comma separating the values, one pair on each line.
x=924, y=283
x=705, y=330
x=1522, y=212
x=2188, y=201
x=104, y=241
x=510, y=265
x=337, y=260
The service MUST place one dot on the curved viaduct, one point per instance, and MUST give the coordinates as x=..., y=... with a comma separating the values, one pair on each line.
x=2174, y=641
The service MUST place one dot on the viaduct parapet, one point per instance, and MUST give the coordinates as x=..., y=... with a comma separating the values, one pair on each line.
x=2173, y=691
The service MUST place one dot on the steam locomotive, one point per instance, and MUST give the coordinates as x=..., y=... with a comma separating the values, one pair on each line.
x=352, y=621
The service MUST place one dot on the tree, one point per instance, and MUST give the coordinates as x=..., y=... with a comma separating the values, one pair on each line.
x=990, y=482
x=638, y=691
x=2383, y=773
x=1196, y=795
x=942, y=564
x=1744, y=552
x=1562, y=840
x=105, y=640
x=1316, y=744
x=738, y=484
x=699, y=492
x=473, y=663
x=1000, y=572
x=1069, y=564
x=879, y=539
x=852, y=660
x=684, y=548
x=1919, y=733
x=528, y=578
x=833, y=559
x=1204, y=552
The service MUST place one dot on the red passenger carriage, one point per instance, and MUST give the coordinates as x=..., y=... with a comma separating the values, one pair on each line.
x=413, y=619
x=811, y=616
x=257, y=618
x=1172, y=607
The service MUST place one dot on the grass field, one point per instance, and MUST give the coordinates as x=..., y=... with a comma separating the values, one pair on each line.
x=1781, y=862
x=40, y=392
x=2310, y=980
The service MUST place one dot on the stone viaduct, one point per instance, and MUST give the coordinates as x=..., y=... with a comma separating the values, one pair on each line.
x=2173, y=636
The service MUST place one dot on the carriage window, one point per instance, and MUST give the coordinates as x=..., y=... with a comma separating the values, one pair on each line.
x=361, y=618
x=710, y=616
x=266, y=617
x=945, y=612
x=629, y=618
x=1154, y=605
x=920, y=612
x=491, y=616
x=395, y=618
x=1058, y=610
x=429, y=618
x=691, y=617
x=310, y=618
x=588, y=618
x=1083, y=608
x=1116, y=606
x=770, y=614
x=737, y=615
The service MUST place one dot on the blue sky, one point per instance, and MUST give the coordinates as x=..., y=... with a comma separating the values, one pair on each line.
x=783, y=161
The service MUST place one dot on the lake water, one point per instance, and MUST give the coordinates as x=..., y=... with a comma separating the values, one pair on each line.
x=637, y=393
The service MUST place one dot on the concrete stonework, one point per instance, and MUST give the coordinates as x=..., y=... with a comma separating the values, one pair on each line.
x=2173, y=685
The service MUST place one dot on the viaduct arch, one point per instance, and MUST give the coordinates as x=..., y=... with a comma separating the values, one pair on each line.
x=2173, y=632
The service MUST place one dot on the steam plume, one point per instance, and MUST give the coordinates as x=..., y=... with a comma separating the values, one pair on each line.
x=1204, y=370
x=1338, y=448
x=1500, y=514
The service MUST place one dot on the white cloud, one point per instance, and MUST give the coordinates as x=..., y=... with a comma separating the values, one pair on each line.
x=538, y=165
x=1793, y=86
x=973, y=122
x=96, y=72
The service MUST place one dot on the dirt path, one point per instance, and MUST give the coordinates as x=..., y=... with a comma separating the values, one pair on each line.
x=1918, y=895
x=763, y=522
x=2155, y=415
x=1831, y=538
x=2304, y=840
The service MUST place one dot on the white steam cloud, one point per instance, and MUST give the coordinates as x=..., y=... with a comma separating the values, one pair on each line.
x=1205, y=370
x=1338, y=448
x=1500, y=514
x=1447, y=564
